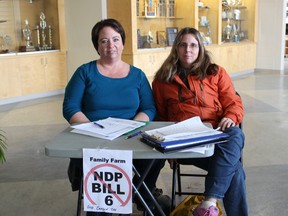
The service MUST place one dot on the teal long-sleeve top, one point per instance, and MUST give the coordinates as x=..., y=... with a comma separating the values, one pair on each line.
x=99, y=97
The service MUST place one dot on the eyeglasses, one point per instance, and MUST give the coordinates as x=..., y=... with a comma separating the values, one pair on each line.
x=185, y=45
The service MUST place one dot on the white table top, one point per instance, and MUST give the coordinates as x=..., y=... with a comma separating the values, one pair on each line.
x=70, y=145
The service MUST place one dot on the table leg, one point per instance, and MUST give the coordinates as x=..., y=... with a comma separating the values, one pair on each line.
x=173, y=186
x=80, y=194
x=136, y=192
x=141, y=183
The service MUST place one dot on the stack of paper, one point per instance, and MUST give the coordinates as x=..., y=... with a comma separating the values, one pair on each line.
x=109, y=128
x=185, y=134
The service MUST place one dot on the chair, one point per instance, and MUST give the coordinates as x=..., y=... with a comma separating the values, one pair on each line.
x=176, y=179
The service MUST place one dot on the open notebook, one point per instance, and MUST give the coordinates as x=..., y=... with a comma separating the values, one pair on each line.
x=109, y=128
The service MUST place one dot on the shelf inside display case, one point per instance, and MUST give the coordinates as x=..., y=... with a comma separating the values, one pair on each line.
x=205, y=22
x=156, y=17
x=28, y=26
x=158, y=30
x=238, y=21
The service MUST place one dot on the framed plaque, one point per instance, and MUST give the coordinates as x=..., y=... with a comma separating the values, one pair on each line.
x=171, y=35
x=161, y=38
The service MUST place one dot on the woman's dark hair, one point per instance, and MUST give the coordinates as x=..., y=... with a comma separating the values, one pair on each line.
x=104, y=23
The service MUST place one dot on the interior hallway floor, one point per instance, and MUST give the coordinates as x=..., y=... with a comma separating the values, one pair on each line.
x=34, y=184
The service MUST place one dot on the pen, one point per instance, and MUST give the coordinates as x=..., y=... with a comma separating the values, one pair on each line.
x=133, y=134
x=99, y=125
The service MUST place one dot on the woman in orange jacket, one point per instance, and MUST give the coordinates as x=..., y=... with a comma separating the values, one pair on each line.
x=188, y=84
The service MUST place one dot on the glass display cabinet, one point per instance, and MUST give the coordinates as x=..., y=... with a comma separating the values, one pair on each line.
x=151, y=26
x=32, y=47
x=29, y=24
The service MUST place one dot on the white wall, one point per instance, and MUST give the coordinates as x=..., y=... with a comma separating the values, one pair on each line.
x=80, y=18
x=271, y=34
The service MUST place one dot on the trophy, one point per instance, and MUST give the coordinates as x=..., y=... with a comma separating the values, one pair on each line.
x=149, y=41
x=228, y=32
x=26, y=31
x=42, y=34
x=43, y=27
x=5, y=43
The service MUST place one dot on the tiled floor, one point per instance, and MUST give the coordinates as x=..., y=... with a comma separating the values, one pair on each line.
x=33, y=184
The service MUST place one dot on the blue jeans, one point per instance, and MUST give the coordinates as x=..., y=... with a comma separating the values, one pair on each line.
x=226, y=177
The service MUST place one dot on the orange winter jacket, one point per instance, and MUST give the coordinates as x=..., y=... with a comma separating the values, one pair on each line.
x=212, y=99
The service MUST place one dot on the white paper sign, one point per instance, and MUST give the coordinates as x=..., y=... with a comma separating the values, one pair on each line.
x=107, y=181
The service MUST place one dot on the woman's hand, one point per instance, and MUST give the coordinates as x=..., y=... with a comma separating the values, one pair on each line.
x=78, y=117
x=141, y=116
x=226, y=123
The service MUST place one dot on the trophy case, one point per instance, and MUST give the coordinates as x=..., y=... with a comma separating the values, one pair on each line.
x=29, y=23
x=32, y=47
x=151, y=26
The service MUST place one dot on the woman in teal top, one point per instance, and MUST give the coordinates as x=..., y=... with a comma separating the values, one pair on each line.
x=109, y=87
x=98, y=96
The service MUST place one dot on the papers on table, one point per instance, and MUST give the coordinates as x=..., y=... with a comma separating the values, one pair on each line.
x=109, y=128
x=183, y=135
x=190, y=128
x=198, y=149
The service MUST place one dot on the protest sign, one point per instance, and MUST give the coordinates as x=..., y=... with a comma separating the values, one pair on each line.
x=107, y=176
